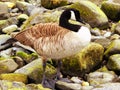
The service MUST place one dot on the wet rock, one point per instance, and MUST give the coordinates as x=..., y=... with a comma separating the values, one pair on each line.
x=34, y=70
x=83, y=62
x=36, y=87
x=76, y=80
x=113, y=48
x=114, y=62
x=97, y=78
x=10, y=29
x=7, y=65
x=8, y=85
x=108, y=86
x=67, y=86
x=91, y=13
x=3, y=12
x=111, y=9
x=3, y=39
x=14, y=77
x=50, y=4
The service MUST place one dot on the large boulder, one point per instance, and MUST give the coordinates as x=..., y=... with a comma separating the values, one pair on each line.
x=91, y=13
x=83, y=62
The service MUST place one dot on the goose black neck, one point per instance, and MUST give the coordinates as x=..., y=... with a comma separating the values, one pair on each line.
x=65, y=23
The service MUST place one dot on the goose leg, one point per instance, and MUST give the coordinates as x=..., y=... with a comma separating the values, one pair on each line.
x=44, y=68
x=58, y=70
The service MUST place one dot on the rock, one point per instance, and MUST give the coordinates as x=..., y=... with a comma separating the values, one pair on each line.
x=23, y=6
x=108, y=86
x=3, y=12
x=91, y=13
x=113, y=48
x=14, y=77
x=117, y=28
x=67, y=86
x=48, y=16
x=22, y=17
x=8, y=85
x=83, y=62
x=103, y=41
x=50, y=4
x=27, y=57
x=96, y=78
x=7, y=65
x=3, y=39
x=10, y=29
x=36, y=87
x=111, y=9
x=114, y=62
x=34, y=70
x=3, y=23
x=76, y=80
x=10, y=4
x=115, y=37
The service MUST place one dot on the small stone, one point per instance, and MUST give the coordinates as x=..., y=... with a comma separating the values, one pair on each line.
x=97, y=78
x=85, y=83
x=10, y=4
x=76, y=80
x=3, y=39
x=22, y=17
x=14, y=77
x=10, y=29
x=67, y=86
x=114, y=62
x=8, y=65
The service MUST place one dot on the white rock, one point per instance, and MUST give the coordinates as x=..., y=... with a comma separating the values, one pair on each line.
x=10, y=29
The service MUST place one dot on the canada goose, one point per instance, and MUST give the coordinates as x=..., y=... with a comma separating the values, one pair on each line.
x=54, y=41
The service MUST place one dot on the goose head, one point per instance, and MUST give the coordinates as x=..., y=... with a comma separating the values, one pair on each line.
x=83, y=31
x=70, y=14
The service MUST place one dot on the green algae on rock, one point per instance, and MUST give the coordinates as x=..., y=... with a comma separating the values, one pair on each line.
x=14, y=77
x=91, y=13
x=112, y=10
x=83, y=62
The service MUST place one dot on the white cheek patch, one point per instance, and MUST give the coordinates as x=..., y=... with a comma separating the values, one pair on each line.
x=72, y=15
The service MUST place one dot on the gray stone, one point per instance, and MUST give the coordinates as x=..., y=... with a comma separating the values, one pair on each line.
x=108, y=86
x=97, y=78
x=67, y=86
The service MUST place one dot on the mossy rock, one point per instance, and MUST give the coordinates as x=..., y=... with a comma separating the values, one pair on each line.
x=34, y=70
x=112, y=10
x=14, y=77
x=114, y=62
x=85, y=61
x=50, y=4
x=91, y=13
x=113, y=48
